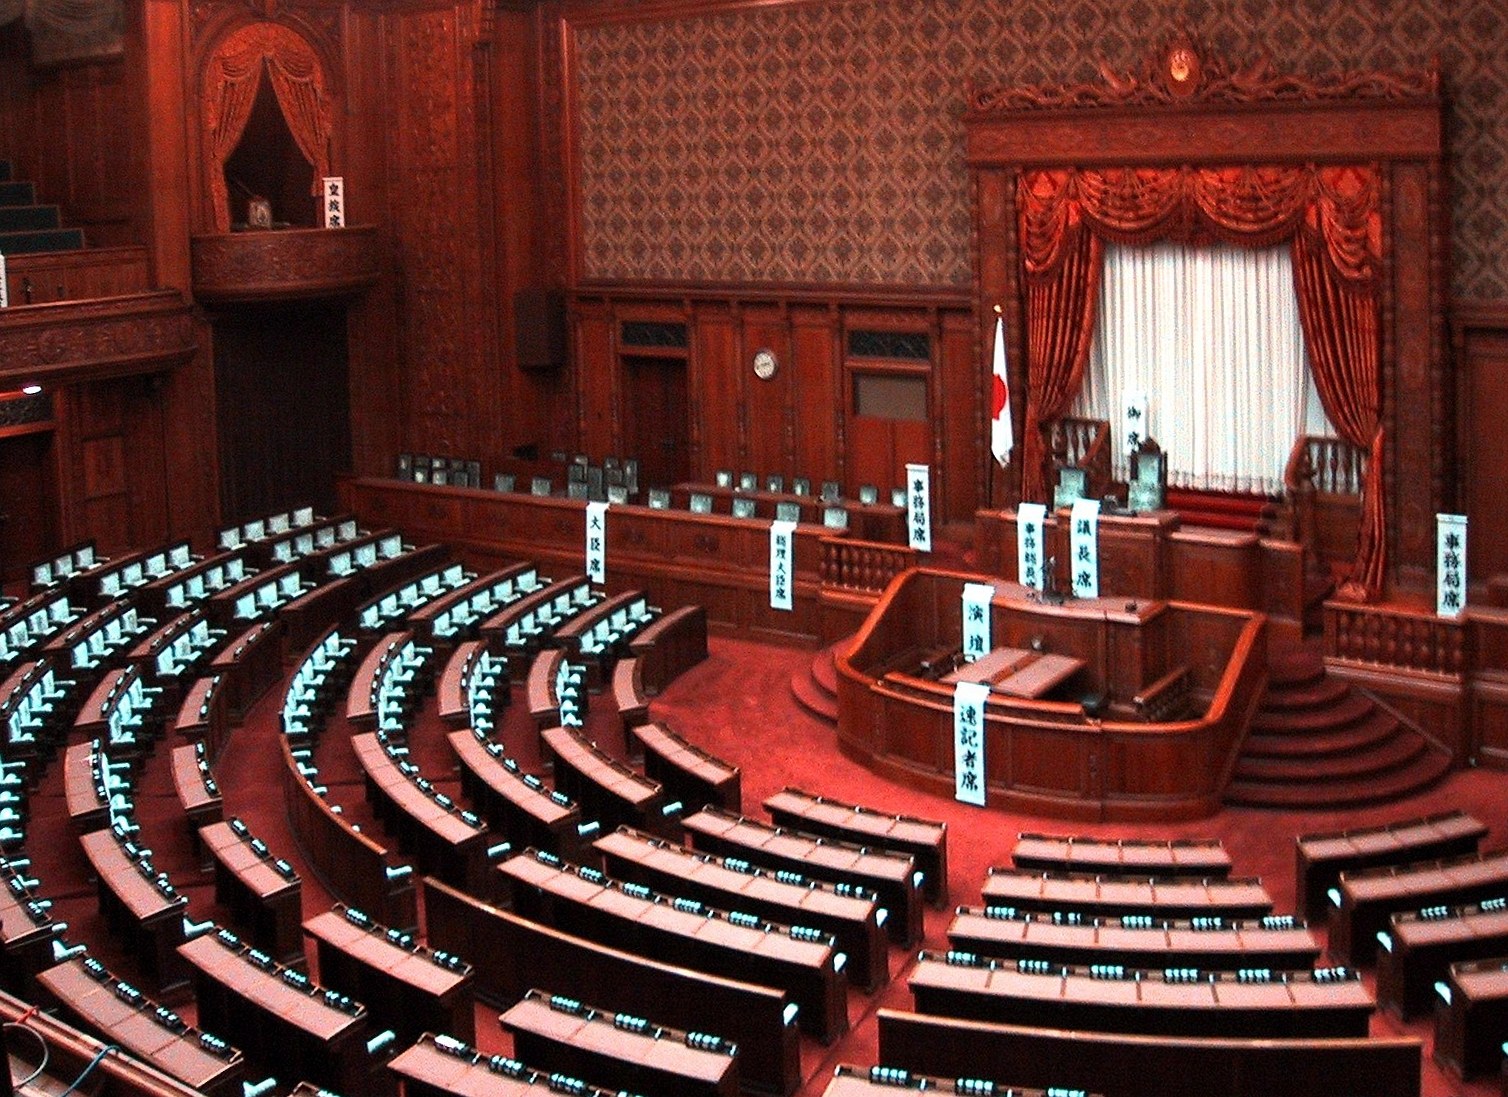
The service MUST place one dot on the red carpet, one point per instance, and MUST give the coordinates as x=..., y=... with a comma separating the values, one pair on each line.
x=738, y=706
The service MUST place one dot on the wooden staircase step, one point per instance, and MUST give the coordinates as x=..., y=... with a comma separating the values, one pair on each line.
x=815, y=686
x=1295, y=667
x=1360, y=735
x=1389, y=754
x=1352, y=707
x=1320, y=693
x=1424, y=772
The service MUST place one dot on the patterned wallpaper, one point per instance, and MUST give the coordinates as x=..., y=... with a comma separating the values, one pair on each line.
x=822, y=142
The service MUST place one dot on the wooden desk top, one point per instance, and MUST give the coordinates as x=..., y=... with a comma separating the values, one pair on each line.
x=402, y=960
x=258, y=871
x=303, y=1007
x=143, y=896
x=606, y=773
x=512, y=784
x=444, y=822
x=136, y=1023
x=1112, y=855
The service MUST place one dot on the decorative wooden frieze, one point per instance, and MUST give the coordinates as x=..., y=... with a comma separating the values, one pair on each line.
x=285, y=265
x=70, y=341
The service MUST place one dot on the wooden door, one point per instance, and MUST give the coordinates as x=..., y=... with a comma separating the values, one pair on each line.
x=28, y=502
x=655, y=425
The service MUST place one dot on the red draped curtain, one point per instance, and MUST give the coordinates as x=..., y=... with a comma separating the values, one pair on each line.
x=1330, y=218
x=231, y=79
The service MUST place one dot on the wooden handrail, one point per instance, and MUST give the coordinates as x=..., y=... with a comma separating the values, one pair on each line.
x=1389, y=636
x=863, y=566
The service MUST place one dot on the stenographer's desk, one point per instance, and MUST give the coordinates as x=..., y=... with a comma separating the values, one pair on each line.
x=1045, y=749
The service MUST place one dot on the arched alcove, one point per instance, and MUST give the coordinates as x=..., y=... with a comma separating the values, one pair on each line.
x=268, y=163
x=263, y=86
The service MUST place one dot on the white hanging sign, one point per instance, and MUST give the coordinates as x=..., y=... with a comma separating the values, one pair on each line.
x=4, y=285
x=1134, y=418
x=976, y=619
x=1084, y=547
x=1030, y=520
x=334, y=201
x=596, y=542
x=782, y=564
x=968, y=741
x=918, y=508
x=1450, y=564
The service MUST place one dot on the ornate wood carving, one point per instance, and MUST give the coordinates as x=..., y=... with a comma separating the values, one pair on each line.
x=285, y=265
x=88, y=340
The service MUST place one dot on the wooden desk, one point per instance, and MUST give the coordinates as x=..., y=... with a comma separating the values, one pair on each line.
x=122, y=1015
x=1321, y=858
x=1164, y=898
x=447, y=841
x=198, y=794
x=1364, y=899
x=438, y=1066
x=287, y=1025
x=355, y=868
x=853, y=1081
x=361, y=694
x=1121, y=856
x=84, y=790
x=892, y=876
x=607, y=790
x=202, y=715
x=1286, y=1006
x=27, y=930
x=674, y=642
x=583, y=901
x=1124, y=1065
x=867, y=521
x=629, y=696
x=516, y=804
x=1422, y=945
x=250, y=664
x=453, y=693
x=686, y=772
x=511, y=954
x=924, y=840
x=626, y=1053
x=1016, y=672
x=1137, y=941
x=1469, y=1026
x=263, y=892
x=146, y=912
x=852, y=915
x=407, y=987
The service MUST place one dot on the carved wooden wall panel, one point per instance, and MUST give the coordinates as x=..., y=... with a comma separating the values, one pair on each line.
x=113, y=478
x=451, y=393
x=1481, y=346
x=715, y=383
x=817, y=392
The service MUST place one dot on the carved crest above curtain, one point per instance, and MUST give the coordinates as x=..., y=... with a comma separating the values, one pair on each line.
x=1344, y=169
x=232, y=76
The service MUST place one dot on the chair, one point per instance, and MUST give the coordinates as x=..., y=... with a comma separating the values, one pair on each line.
x=801, y=486
x=774, y=483
x=835, y=517
x=1082, y=444
x=659, y=499
x=724, y=478
x=743, y=508
x=748, y=481
x=832, y=491
x=504, y=481
x=540, y=485
x=788, y=511
x=1149, y=477
x=898, y=497
x=701, y=503
x=869, y=495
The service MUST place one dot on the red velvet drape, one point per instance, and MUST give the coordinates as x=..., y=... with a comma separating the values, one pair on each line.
x=231, y=79
x=1330, y=217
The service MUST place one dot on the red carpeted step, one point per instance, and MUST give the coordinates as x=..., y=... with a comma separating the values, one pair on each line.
x=1425, y=771
x=1360, y=735
x=1387, y=754
x=1295, y=667
x=1320, y=693
x=1349, y=708
x=815, y=686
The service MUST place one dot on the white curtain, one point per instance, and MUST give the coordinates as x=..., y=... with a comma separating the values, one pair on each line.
x=1211, y=335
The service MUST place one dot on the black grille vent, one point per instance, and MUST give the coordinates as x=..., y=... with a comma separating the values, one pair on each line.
x=24, y=410
x=647, y=333
x=910, y=345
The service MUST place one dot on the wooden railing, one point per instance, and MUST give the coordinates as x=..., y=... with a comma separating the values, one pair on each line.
x=1401, y=639
x=77, y=275
x=1322, y=494
x=865, y=567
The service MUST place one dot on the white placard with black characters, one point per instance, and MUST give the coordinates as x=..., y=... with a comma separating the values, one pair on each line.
x=334, y=201
x=1084, y=548
x=918, y=508
x=1031, y=564
x=4, y=285
x=782, y=557
x=968, y=741
x=976, y=619
x=1450, y=564
x=596, y=542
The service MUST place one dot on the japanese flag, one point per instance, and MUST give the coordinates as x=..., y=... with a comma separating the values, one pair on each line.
x=1002, y=437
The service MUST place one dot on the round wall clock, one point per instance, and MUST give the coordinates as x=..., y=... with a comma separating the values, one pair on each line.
x=765, y=364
